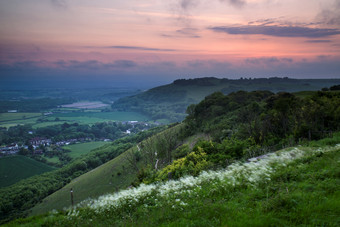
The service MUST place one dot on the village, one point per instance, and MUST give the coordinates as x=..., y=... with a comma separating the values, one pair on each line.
x=38, y=145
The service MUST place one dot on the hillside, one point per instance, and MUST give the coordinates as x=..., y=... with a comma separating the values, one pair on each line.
x=219, y=132
x=168, y=103
x=294, y=186
x=112, y=176
x=16, y=168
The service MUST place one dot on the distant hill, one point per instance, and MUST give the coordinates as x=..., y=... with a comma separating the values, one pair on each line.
x=168, y=103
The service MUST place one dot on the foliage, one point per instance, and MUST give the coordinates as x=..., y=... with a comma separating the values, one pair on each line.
x=170, y=101
x=192, y=164
x=270, y=119
x=296, y=186
x=18, y=198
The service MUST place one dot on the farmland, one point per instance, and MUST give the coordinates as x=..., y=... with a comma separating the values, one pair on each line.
x=85, y=105
x=38, y=120
x=16, y=168
x=80, y=149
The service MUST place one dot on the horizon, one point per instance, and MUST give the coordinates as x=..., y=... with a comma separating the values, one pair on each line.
x=149, y=43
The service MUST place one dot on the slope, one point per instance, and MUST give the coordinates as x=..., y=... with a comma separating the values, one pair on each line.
x=114, y=175
x=294, y=186
x=109, y=177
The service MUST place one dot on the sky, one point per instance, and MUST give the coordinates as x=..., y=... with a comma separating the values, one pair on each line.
x=157, y=41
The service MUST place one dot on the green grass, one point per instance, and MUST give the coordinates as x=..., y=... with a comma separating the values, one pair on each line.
x=109, y=177
x=87, y=117
x=16, y=168
x=17, y=116
x=303, y=193
x=54, y=159
x=12, y=119
x=80, y=149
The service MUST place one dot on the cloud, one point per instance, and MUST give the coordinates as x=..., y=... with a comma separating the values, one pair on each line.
x=318, y=41
x=267, y=61
x=59, y=4
x=188, y=4
x=278, y=31
x=188, y=32
x=330, y=16
x=141, y=48
x=94, y=64
x=235, y=3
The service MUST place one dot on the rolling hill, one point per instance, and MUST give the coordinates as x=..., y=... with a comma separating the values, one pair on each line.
x=168, y=103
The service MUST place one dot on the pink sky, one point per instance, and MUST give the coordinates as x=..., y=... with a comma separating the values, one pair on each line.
x=225, y=38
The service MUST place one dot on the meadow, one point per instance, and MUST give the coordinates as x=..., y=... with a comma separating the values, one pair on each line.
x=77, y=150
x=16, y=168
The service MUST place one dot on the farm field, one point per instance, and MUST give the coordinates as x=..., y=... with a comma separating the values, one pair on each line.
x=80, y=149
x=86, y=105
x=88, y=117
x=16, y=168
x=93, y=117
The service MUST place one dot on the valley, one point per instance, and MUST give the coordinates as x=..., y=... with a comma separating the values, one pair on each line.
x=120, y=154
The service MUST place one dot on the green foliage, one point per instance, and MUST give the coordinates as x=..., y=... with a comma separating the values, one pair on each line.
x=181, y=151
x=270, y=119
x=191, y=164
x=303, y=193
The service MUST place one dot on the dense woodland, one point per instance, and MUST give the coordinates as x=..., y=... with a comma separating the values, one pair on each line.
x=242, y=125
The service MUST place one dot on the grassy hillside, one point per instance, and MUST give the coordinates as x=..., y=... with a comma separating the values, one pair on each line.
x=170, y=101
x=112, y=176
x=109, y=177
x=17, y=199
x=292, y=187
x=16, y=168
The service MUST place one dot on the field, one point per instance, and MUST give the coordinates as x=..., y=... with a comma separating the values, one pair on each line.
x=86, y=117
x=16, y=168
x=80, y=149
x=86, y=105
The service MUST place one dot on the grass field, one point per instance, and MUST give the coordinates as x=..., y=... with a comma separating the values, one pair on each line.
x=16, y=168
x=90, y=117
x=109, y=177
x=12, y=119
x=80, y=149
x=87, y=117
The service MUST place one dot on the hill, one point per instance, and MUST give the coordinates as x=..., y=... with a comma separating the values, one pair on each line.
x=114, y=175
x=168, y=103
x=16, y=168
x=294, y=186
x=219, y=132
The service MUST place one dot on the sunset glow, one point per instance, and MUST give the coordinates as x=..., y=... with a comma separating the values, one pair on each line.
x=166, y=40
